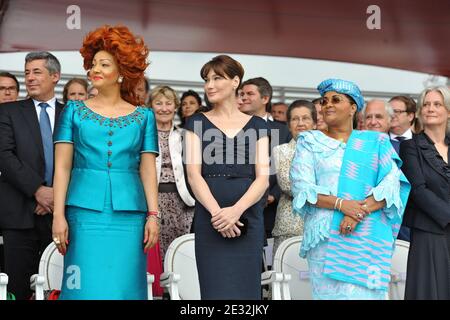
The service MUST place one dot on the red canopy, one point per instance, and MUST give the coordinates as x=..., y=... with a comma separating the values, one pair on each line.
x=414, y=35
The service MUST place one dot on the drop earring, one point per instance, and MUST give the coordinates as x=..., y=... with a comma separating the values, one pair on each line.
x=88, y=76
x=120, y=79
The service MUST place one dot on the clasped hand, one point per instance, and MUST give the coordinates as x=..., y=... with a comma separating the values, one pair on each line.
x=355, y=209
x=226, y=222
x=354, y=212
x=44, y=199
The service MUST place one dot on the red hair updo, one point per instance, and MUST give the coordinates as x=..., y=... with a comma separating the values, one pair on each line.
x=129, y=51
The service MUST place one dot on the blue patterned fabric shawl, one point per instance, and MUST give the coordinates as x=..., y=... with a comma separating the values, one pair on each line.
x=364, y=257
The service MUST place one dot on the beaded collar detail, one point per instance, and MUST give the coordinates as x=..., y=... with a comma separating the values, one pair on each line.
x=137, y=116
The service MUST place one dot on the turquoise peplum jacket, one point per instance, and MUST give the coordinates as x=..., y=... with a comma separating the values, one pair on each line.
x=107, y=150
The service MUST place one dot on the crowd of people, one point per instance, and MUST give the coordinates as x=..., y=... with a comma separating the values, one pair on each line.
x=117, y=171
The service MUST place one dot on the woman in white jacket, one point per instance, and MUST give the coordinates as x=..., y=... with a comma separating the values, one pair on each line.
x=174, y=200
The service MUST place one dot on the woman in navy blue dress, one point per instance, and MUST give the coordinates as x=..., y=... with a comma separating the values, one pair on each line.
x=227, y=158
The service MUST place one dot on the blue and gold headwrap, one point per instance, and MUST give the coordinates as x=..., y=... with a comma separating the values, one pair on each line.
x=342, y=86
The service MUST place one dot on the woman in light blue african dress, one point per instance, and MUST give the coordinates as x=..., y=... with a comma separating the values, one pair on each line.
x=349, y=189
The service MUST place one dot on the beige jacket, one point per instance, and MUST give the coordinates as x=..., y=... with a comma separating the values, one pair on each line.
x=286, y=223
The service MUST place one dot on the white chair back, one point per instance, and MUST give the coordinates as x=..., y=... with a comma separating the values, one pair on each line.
x=180, y=259
x=3, y=286
x=398, y=270
x=288, y=261
x=51, y=266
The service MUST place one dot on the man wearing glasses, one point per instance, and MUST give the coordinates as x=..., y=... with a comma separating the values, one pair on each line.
x=9, y=87
x=404, y=109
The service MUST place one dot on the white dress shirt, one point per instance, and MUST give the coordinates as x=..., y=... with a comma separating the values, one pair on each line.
x=407, y=135
x=267, y=117
x=50, y=110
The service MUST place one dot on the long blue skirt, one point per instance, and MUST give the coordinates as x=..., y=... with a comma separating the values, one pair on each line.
x=105, y=257
x=325, y=288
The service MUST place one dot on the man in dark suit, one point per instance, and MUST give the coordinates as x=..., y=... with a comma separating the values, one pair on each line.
x=9, y=91
x=278, y=111
x=26, y=166
x=403, y=119
x=256, y=96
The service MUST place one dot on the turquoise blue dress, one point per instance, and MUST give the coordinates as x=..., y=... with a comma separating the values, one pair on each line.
x=315, y=170
x=105, y=203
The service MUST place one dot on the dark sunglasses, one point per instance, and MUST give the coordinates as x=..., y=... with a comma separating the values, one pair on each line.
x=334, y=100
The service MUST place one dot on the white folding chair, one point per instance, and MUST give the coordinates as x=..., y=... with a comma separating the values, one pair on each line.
x=3, y=286
x=398, y=270
x=51, y=268
x=180, y=275
x=267, y=254
x=296, y=283
x=50, y=272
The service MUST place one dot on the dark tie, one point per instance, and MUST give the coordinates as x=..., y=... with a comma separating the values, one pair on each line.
x=400, y=138
x=47, y=142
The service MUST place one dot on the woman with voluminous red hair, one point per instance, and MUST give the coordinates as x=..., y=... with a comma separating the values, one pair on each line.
x=105, y=192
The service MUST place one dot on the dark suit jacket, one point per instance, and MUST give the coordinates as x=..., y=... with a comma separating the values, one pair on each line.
x=22, y=163
x=428, y=206
x=279, y=134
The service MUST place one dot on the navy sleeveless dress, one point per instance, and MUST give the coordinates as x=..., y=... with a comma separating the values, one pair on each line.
x=228, y=268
